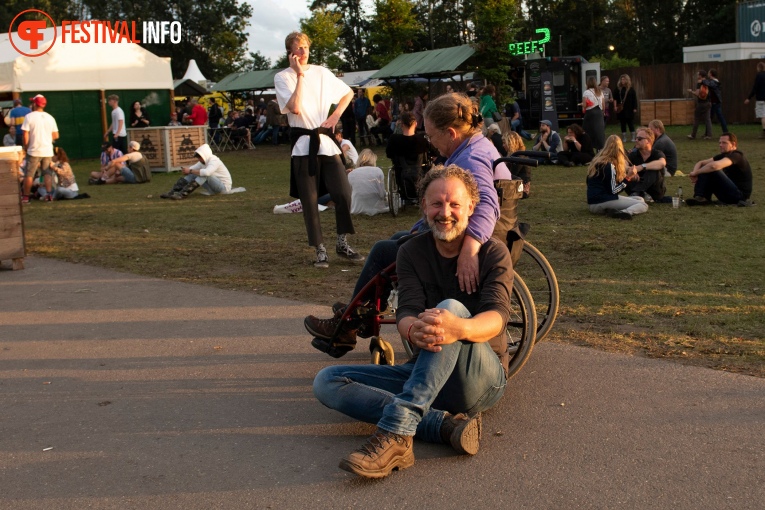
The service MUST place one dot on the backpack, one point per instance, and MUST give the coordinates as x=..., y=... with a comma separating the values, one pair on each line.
x=703, y=92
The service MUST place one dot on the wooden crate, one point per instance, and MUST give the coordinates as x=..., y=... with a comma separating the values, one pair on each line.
x=647, y=111
x=663, y=112
x=682, y=111
x=12, y=246
x=171, y=147
x=183, y=143
x=152, y=146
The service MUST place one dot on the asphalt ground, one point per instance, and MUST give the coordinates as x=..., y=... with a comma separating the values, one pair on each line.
x=120, y=391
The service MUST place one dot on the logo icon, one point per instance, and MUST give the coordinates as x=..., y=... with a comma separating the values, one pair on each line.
x=29, y=37
x=755, y=28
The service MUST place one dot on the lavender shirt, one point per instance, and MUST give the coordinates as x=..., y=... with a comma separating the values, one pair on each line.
x=477, y=155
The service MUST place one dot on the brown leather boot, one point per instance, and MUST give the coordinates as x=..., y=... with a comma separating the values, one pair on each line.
x=382, y=453
x=462, y=432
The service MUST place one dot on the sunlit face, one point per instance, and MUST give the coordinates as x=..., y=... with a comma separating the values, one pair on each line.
x=300, y=49
x=726, y=145
x=447, y=206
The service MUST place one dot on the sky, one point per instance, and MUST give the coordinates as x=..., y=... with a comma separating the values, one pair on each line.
x=271, y=21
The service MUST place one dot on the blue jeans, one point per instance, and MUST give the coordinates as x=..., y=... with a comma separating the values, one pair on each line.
x=517, y=126
x=412, y=399
x=128, y=175
x=717, y=110
x=211, y=183
x=718, y=184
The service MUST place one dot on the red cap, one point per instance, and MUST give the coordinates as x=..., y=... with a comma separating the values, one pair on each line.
x=39, y=100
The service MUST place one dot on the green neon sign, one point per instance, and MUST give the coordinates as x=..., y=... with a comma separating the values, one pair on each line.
x=526, y=47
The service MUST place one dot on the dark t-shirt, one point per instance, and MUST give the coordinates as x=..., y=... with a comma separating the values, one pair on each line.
x=410, y=147
x=665, y=145
x=740, y=172
x=637, y=159
x=425, y=278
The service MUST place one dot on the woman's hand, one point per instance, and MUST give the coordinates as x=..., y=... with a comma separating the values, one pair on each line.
x=467, y=265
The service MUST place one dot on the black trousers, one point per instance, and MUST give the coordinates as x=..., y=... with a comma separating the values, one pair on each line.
x=332, y=174
x=651, y=182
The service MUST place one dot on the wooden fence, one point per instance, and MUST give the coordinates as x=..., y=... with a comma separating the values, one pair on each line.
x=672, y=81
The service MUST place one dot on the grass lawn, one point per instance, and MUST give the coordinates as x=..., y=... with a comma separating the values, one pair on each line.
x=685, y=283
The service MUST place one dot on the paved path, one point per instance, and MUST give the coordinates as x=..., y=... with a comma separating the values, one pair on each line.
x=156, y=394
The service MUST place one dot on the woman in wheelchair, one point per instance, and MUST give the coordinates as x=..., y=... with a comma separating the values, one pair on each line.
x=409, y=153
x=453, y=127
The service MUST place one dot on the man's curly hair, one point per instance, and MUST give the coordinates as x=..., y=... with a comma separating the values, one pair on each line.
x=447, y=172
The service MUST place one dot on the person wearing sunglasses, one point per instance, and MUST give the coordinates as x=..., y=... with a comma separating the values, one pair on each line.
x=650, y=164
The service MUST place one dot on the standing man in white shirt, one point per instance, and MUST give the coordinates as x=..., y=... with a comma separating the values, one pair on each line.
x=117, y=127
x=306, y=93
x=40, y=130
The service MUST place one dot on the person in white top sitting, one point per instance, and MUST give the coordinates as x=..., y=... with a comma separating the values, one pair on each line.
x=209, y=172
x=349, y=151
x=368, y=186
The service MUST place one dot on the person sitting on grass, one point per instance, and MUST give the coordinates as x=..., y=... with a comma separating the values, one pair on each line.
x=367, y=186
x=9, y=140
x=67, y=186
x=547, y=140
x=459, y=339
x=728, y=176
x=132, y=168
x=577, y=147
x=108, y=154
x=650, y=163
x=664, y=143
x=209, y=172
x=607, y=176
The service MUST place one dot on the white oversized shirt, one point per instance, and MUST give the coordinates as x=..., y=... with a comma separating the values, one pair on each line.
x=321, y=89
x=41, y=126
x=368, y=195
x=590, y=100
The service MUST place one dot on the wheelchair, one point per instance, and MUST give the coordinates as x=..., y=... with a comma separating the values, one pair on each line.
x=397, y=197
x=529, y=322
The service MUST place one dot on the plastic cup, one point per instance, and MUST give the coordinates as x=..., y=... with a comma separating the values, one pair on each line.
x=675, y=202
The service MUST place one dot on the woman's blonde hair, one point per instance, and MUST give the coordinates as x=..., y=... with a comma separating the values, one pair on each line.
x=612, y=153
x=367, y=157
x=513, y=142
x=626, y=77
x=454, y=111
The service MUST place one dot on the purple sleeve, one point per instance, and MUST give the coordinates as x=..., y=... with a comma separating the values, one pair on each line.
x=478, y=158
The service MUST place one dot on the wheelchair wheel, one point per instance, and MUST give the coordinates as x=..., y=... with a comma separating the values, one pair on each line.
x=394, y=195
x=539, y=277
x=521, y=328
x=382, y=351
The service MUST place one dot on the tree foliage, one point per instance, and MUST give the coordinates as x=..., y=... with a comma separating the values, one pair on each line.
x=323, y=28
x=495, y=27
x=394, y=30
x=353, y=33
x=259, y=62
x=614, y=61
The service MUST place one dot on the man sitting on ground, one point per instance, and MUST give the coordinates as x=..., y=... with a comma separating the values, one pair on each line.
x=209, y=172
x=548, y=140
x=728, y=176
x=108, y=154
x=350, y=153
x=459, y=341
x=650, y=163
x=664, y=144
x=132, y=168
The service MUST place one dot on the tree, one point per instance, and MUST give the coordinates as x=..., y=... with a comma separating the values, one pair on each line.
x=323, y=28
x=496, y=24
x=393, y=31
x=355, y=26
x=614, y=61
x=259, y=61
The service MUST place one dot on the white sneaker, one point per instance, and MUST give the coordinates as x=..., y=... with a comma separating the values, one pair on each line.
x=291, y=208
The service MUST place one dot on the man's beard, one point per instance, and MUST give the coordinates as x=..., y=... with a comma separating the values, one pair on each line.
x=439, y=232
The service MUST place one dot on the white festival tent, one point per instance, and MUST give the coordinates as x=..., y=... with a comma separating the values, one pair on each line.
x=83, y=66
x=193, y=73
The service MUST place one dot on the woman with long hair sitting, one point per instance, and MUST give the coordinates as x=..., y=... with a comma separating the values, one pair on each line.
x=607, y=175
